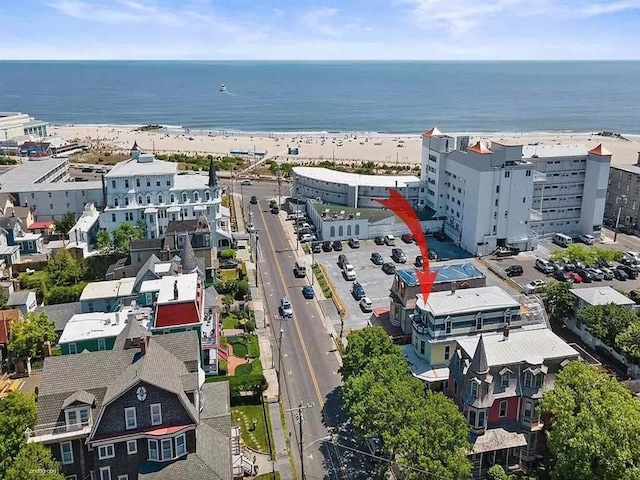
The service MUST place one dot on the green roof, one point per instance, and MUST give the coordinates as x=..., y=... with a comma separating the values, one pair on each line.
x=372, y=214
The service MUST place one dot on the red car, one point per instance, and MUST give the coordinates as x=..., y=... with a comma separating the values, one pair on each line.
x=575, y=277
x=407, y=238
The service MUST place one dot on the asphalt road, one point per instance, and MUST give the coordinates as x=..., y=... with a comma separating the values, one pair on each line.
x=309, y=372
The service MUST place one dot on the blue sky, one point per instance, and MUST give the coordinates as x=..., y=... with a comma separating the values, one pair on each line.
x=318, y=30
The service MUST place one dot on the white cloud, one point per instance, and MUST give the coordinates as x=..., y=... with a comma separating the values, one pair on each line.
x=612, y=7
x=322, y=20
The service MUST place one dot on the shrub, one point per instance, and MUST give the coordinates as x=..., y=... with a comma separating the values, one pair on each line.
x=223, y=367
x=56, y=295
x=253, y=347
x=242, y=290
x=228, y=253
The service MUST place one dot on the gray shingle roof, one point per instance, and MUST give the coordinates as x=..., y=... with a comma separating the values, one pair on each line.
x=216, y=412
x=60, y=314
x=210, y=298
x=147, y=267
x=189, y=382
x=81, y=396
x=18, y=298
x=479, y=363
x=188, y=256
x=130, y=336
x=183, y=345
x=8, y=223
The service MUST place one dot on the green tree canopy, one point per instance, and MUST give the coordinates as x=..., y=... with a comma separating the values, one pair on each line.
x=66, y=223
x=65, y=269
x=628, y=342
x=104, y=242
x=607, y=321
x=606, y=255
x=17, y=413
x=29, y=333
x=558, y=300
x=362, y=346
x=125, y=233
x=576, y=253
x=595, y=426
x=34, y=462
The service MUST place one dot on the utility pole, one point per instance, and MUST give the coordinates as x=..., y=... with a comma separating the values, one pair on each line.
x=297, y=223
x=256, y=258
x=279, y=359
x=299, y=410
x=279, y=178
x=622, y=199
x=313, y=260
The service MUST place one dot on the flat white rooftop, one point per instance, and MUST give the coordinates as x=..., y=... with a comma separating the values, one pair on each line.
x=551, y=151
x=187, y=288
x=468, y=300
x=109, y=289
x=354, y=179
x=87, y=326
x=532, y=345
x=190, y=182
x=601, y=296
x=132, y=167
x=30, y=172
x=29, y=237
x=53, y=187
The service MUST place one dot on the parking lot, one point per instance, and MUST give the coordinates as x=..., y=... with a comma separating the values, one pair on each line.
x=375, y=282
x=527, y=261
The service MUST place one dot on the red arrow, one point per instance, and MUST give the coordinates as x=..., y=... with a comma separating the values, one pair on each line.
x=403, y=209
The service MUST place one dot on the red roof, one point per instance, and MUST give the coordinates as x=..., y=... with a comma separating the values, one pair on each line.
x=434, y=132
x=480, y=148
x=172, y=314
x=165, y=430
x=6, y=317
x=40, y=225
x=600, y=151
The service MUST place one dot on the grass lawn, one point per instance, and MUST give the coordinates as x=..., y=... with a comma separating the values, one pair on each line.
x=239, y=347
x=228, y=275
x=243, y=416
x=267, y=476
x=247, y=345
x=254, y=367
x=229, y=322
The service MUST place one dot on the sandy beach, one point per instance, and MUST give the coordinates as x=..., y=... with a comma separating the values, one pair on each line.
x=348, y=147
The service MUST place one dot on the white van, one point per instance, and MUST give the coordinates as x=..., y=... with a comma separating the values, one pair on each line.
x=562, y=239
x=300, y=269
x=348, y=271
x=390, y=240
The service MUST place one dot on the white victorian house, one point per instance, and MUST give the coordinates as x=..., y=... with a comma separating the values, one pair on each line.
x=146, y=188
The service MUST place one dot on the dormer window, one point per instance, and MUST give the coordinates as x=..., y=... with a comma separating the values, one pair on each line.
x=139, y=199
x=172, y=198
x=116, y=203
x=148, y=199
x=160, y=198
x=184, y=197
x=447, y=326
x=78, y=416
x=479, y=321
x=507, y=317
x=528, y=379
x=207, y=195
x=474, y=389
x=539, y=379
x=196, y=197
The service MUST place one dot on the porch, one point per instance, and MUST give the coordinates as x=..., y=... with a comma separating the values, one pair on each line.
x=497, y=446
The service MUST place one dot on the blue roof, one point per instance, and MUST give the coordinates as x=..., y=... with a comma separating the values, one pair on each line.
x=446, y=273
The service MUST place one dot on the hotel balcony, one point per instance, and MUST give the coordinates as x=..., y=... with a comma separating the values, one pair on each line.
x=535, y=215
x=57, y=432
x=539, y=177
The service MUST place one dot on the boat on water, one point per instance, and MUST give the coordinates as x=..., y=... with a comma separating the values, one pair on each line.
x=223, y=88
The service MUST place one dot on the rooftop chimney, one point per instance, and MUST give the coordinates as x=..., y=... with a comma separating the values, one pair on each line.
x=47, y=348
x=505, y=333
x=143, y=345
x=179, y=270
x=175, y=290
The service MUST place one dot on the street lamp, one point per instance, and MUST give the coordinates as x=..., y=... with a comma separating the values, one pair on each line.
x=297, y=223
x=621, y=200
x=279, y=358
x=256, y=258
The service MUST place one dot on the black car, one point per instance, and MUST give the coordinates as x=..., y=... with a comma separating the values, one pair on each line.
x=389, y=268
x=275, y=209
x=254, y=200
x=635, y=296
x=307, y=292
x=337, y=246
x=379, y=240
x=342, y=260
x=354, y=242
x=620, y=274
x=357, y=291
x=513, y=270
x=433, y=255
x=586, y=275
x=87, y=170
x=398, y=255
x=631, y=272
x=419, y=262
x=562, y=276
x=376, y=258
x=228, y=263
x=326, y=246
x=316, y=247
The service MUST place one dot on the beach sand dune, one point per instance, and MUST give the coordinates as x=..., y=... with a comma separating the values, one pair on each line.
x=389, y=149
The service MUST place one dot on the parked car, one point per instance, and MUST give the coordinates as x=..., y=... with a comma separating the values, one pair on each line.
x=635, y=296
x=273, y=203
x=587, y=239
x=349, y=272
x=337, y=245
x=398, y=255
x=102, y=170
x=407, y=238
x=606, y=272
x=562, y=276
x=376, y=258
x=545, y=266
x=389, y=268
x=316, y=247
x=246, y=183
x=419, y=262
x=433, y=255
x=598, y=275
x=357, y=291
x=87, y=170
x=575, y=277
x=365, y=304
x=285, y=307
x=379, y=240
x=620, y=274
x=228, y=263
x=307, y=292
x=354, y=242
x=390, y=240
x=326, y=246
x=514, y=270
x=587, y=276
x=342, y=260
x=254, y=200
x=534, y=286
x=307, y=237
x=631, y=272
x=275, y=209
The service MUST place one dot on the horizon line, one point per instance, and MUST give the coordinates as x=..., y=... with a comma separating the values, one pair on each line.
x=585, y=60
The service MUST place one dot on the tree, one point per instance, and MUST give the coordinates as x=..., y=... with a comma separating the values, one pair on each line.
x=607, y=321
x=66, y=223
x=364, y=345
x=227, y=301
x=34, y=461
x=497, y=473
x=29, y=333
x=228, y=253
x=17, y=413
x=595, y=426
x=4, y=298
x=576, y=253
x=104, y=243
x=65, y=269
x=606, y=255
x=558, y=300
x=628, y=342
x=124, y=234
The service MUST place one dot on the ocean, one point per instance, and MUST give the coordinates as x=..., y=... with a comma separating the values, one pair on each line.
x=393, y=97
